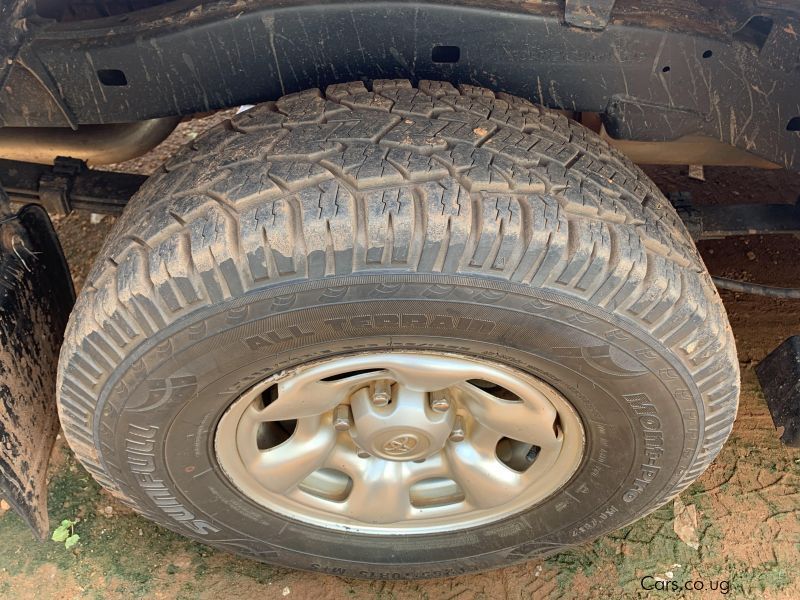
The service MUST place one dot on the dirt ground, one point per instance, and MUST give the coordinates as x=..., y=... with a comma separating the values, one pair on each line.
x=747, y=504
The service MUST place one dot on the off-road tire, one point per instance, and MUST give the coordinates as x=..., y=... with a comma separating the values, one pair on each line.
x=310, y=226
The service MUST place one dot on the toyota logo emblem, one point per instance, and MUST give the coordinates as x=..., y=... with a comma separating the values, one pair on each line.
x=400, y=445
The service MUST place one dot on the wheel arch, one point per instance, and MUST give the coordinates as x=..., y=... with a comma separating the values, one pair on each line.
x=720, y=70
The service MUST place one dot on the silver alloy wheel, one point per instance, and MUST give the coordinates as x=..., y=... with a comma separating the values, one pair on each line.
x=400, y=442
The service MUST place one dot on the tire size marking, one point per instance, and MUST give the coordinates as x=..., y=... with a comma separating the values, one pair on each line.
x=140, y=452
x=595, y=521
x=411, y=320
x=653, y=435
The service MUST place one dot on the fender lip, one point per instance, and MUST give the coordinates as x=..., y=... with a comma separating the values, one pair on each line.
x=36, y=298
x=635, y=70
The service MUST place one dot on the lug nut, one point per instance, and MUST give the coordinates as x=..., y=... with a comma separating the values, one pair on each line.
x=382, y=394
x=342, y=418
x=457, y=435
x=440, y=402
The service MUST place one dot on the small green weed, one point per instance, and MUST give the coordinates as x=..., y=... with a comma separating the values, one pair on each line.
x=66, y=533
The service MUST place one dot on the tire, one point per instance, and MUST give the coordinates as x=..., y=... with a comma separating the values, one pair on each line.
x=313, y=226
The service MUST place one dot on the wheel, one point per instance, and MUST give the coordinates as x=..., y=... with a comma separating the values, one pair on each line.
x=397, y=333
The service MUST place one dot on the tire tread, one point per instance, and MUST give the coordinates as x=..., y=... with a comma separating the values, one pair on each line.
x=428, y=179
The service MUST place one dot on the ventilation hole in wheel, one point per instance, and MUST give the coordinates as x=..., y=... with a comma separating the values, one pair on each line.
x=708, y=54
x=347, y=374
x=666, y=69
x=557, y=425
x=272, y=433
x=495, y=390
x=446, y=54
x=436, y=491
x=793, y=124
x=328, y=484
x=516, y=455
x=112, y=77
x=268, y=396
x=755, y=32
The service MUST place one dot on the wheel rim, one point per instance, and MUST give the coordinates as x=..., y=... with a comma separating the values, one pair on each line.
x=400, y=442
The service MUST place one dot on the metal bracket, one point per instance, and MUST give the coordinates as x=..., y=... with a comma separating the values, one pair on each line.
x=68, y=186
x=717, y=221
x=55, y=186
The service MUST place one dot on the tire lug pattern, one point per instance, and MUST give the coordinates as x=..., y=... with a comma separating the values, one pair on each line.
x=434, y=179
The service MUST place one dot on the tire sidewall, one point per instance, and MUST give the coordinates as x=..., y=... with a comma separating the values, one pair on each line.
x=158, y=413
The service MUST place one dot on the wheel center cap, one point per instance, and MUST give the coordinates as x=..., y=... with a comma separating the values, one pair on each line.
x=406, y=428
x=399, y=444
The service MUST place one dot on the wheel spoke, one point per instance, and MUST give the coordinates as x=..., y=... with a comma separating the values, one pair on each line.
x=380, y=495
x=485, y=481
x=427, y=373
x=433, y=466
x=343, y=458
x=300, y=397
x=526, y=421
x=282, y=468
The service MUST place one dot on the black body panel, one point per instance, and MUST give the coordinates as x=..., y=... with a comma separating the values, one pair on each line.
x=729, y=71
